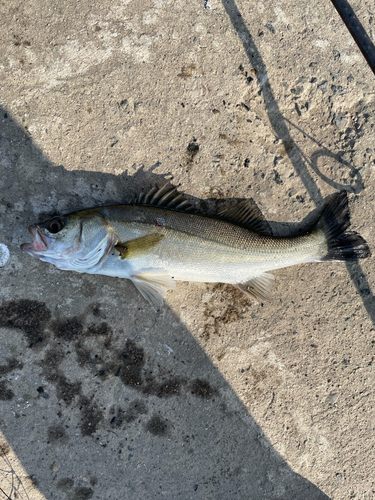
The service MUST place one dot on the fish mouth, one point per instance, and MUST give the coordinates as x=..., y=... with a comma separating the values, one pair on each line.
x=39, y=244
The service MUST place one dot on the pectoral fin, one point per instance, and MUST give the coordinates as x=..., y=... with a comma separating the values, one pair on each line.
x=153, y=287
x=257, y=288
x=139, y=246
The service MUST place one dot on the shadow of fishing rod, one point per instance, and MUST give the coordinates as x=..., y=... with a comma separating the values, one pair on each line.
x=295, y=155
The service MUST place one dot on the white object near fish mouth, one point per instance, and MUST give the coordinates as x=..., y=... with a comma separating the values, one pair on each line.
x=4, y=254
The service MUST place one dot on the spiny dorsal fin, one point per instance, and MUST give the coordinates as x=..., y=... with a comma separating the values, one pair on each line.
x=166, y=197
x=257, y=288
x=138, y=246
x=248, y=215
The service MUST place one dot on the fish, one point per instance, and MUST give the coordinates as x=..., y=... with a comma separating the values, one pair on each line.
x=161, y=238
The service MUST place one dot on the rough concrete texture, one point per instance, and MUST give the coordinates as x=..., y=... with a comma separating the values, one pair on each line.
x=216, y=397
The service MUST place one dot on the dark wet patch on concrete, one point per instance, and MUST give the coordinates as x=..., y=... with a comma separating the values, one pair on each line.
x=12, y=364
x=91, y=416
x=158, y=426
x=6, y=394
x=84, y=356
x=128, y=364
x=65, y=484
x=65, y=390
x=73, y=329
x=191, y=151
x=202, y=389
x=80, y=493
x=169, y=387
x=29, y=316
x=69, y=329
x=56, y=434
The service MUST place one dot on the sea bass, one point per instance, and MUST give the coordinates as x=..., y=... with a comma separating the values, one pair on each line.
x=161, y=239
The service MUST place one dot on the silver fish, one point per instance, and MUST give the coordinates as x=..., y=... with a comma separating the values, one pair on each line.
x=159, y=239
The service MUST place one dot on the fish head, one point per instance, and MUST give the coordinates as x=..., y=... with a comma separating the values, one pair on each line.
x=76, y=241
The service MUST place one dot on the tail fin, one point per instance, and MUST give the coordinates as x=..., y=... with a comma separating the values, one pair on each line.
x=335, y=219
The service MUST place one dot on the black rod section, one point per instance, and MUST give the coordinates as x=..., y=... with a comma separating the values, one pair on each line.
x=357, y=31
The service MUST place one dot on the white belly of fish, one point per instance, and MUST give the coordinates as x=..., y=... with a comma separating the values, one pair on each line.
x=185, y=269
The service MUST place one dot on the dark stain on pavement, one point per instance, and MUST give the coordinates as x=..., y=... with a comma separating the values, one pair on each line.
x=67, y=335
x=158, y=426
x=30, y=316
x=57, y=434
x=69, y=329
x=6, y=394
x=12, y=364
x=65, y=484
x=72, y=329
x=80, y=493
x=202, y=389
x=65, y=390
x=169, y=387
x=91, y=416
x=129, y=364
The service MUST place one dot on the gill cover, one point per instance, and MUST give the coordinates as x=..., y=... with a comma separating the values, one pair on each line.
x=77, y=242
x=96, y=240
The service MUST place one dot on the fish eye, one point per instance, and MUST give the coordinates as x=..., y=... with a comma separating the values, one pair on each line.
x=55, y=225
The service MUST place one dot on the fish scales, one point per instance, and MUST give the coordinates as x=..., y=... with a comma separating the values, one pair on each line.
x=198, y=237
x=156, y=241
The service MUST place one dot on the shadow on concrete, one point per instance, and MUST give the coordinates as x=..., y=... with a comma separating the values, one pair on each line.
x=101, y=398
x=297, y=158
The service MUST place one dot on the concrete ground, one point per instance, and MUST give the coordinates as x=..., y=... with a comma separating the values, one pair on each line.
x=215, y=397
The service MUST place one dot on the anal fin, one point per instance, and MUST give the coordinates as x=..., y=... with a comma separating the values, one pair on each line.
x=153, y=287
x=257, y=288
x=138, y=246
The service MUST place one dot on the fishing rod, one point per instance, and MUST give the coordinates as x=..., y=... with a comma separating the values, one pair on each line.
x=357, y=31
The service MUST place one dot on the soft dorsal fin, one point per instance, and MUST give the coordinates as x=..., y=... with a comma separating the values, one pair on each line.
x=257, y=288
x=248, y=215
x=166, y=197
